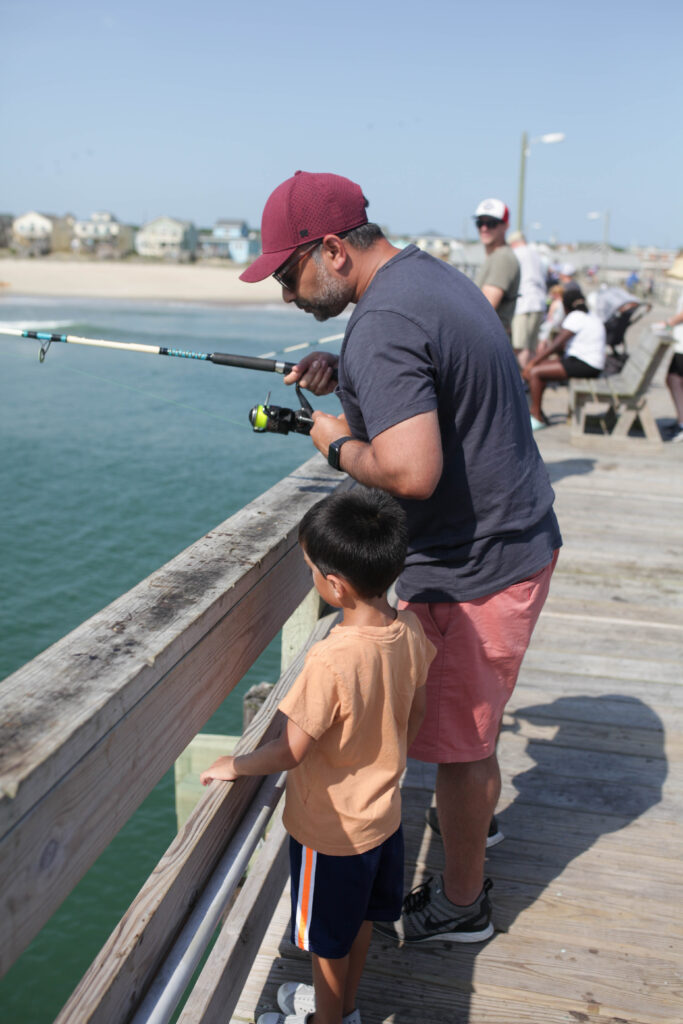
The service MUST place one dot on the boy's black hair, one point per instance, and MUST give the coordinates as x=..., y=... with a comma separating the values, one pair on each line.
x=360, y=535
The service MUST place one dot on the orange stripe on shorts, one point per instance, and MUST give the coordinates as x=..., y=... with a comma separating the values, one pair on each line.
x=305, y=899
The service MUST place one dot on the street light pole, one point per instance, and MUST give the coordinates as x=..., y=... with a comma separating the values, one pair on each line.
x=522, y=176
x=548, y=138
x=596, y=215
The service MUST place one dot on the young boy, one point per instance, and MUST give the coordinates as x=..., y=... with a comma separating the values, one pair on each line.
x=350, y=717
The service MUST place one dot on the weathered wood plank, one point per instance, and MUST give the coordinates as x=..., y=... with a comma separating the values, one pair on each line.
x=565, y=698
x=601, y=605
x=586, y=665
x=608, y=737
x=551, y=971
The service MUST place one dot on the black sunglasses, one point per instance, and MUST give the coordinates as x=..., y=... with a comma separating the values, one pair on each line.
x=487, y=222
x=285, y=275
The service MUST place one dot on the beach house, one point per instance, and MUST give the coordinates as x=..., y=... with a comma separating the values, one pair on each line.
x=35, y=234
x=103, y=234
x=167, y=238
x=232, y=240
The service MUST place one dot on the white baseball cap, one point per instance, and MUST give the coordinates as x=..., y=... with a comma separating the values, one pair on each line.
x=493, y=208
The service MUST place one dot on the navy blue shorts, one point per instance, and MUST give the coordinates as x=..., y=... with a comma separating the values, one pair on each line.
x=333, y=896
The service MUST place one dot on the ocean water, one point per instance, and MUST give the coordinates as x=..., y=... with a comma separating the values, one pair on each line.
x=110, y=464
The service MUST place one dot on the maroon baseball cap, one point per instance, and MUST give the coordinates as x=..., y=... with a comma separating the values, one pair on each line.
x=303, y=209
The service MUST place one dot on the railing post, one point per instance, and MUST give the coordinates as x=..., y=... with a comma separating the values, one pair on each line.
x=299, y=625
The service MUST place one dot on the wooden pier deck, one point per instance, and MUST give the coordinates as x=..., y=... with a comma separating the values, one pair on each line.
x=588, y=885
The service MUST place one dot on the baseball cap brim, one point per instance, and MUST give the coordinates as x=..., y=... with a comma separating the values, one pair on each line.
x=265, y=265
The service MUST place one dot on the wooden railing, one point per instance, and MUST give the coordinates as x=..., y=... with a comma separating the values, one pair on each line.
x=90, y=726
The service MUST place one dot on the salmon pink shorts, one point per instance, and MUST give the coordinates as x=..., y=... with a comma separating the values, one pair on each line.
x=480, y=646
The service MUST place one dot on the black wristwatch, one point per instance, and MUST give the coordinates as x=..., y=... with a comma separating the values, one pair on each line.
x=333, y=452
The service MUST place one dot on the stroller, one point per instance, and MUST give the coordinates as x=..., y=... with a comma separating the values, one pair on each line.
x=618, y=310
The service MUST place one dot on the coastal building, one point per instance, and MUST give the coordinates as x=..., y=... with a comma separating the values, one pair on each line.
x=6, y=220
x=167, y=238
x=36, y=234
x=231, y=239
x=103, y=234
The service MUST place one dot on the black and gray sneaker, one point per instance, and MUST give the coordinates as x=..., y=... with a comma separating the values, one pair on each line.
x=494, y=837
x=428, y=915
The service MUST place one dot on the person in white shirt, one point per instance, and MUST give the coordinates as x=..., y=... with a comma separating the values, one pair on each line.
x=581, y=345
x=674, y=377
x=531, y=300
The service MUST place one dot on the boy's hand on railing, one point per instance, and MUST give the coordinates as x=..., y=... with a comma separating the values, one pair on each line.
x=223, y=769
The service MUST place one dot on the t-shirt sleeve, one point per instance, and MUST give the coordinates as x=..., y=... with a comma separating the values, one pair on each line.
x=500, y=271
x=313, y=702
x=389, y=364
x=573, y=321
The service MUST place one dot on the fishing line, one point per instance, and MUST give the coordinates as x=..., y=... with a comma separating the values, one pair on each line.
x=150, y=394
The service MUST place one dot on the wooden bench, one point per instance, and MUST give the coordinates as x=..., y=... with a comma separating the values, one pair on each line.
x=621, y=400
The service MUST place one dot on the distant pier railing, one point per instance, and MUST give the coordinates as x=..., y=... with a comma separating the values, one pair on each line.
x=89, y=727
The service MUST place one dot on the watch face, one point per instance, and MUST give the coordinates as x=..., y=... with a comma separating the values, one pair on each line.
x=333, y=451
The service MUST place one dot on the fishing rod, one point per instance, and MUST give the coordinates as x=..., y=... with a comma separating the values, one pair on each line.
x=263, y=418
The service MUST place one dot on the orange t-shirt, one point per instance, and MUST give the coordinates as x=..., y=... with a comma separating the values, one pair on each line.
x=353, y=697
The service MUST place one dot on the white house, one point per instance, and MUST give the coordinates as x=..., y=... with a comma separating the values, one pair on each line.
x=33, y=231
x=40, y=233
x=103, y=233
x=168, y=238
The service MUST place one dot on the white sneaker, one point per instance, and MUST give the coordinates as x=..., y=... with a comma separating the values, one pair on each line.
x=293, y=997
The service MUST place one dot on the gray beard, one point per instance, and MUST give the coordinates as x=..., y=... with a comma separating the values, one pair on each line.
x=331, y=298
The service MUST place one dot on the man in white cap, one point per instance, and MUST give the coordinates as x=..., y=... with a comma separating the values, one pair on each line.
x=500, y=274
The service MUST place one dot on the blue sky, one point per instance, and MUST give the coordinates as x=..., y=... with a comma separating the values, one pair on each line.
x=200, y=109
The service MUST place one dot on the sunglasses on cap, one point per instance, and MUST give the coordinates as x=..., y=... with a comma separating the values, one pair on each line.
x=285, y=275
x=487, y=222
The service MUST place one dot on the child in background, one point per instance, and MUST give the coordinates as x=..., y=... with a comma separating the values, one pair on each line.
x=350, y=718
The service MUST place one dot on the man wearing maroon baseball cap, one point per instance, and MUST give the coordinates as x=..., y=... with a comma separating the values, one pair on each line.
x=303, y=210
x=433, y=412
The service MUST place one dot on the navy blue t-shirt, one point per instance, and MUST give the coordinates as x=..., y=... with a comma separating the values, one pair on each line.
x=423, y=337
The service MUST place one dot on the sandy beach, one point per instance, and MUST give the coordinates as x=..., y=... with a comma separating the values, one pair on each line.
x=131, y=280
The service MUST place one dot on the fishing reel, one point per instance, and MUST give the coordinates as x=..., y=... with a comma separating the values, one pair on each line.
x=275, y=419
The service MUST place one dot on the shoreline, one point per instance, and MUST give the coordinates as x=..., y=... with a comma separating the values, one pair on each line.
x=165, y=282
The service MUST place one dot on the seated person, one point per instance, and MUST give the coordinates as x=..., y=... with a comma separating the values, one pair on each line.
x=553, y=319
x=582, y=346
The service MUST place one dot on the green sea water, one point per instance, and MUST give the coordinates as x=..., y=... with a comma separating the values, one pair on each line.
x=110, y=464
